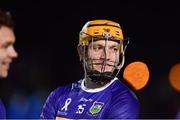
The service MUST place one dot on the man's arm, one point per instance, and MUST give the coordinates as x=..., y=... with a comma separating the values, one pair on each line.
x=49, y=111
x=2, y=111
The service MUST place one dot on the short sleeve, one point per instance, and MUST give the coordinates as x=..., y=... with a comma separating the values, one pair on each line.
x=125, y=105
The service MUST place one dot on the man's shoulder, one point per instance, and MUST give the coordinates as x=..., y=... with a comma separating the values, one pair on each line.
x=66, y=88
x=2, y=110
x=124, y=99
x=120, y=89
x=118, y=85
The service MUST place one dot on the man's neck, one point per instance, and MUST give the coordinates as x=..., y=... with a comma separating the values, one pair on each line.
x=92, y=85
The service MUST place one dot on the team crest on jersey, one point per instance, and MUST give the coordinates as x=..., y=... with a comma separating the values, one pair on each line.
x=96, y=107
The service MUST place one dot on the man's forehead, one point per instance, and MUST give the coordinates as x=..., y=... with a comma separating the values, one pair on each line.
x=6, y=35
x=103, y=42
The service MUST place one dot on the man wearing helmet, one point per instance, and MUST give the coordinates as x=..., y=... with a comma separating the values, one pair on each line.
x=7, y=51
x=100, y=95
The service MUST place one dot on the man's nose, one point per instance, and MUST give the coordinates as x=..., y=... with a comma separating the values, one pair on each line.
x=13, y=53
x=105, y=54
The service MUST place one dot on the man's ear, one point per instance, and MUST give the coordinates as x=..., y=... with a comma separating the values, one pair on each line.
x=80, y=52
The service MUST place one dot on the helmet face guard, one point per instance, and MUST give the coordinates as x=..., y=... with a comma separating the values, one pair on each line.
x=101, y=71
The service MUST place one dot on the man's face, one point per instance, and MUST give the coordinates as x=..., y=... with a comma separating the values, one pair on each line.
x=7, y=51
x=103, y=55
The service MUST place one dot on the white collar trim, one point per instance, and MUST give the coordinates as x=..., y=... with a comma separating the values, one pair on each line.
x=90, y=90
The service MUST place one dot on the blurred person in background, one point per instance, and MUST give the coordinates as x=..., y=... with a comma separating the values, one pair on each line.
x=7, y=51
x=24, y=105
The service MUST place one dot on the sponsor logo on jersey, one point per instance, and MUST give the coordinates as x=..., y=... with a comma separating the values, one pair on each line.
x=96, y=107
x=85, y=100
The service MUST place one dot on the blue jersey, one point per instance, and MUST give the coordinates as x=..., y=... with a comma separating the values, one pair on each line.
x=2, y=111
x=75, y=101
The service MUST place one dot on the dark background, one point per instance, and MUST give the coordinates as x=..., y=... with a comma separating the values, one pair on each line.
x=47, y=35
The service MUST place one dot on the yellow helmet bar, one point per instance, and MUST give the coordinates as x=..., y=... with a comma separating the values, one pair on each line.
x=100, y=28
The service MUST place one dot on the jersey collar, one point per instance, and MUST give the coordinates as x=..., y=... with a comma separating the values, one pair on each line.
x=83, y=87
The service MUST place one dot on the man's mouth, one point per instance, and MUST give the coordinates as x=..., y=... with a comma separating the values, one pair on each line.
x=104, y=64
x=6, y=65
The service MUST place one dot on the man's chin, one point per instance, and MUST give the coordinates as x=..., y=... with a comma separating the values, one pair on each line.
x=3, y=75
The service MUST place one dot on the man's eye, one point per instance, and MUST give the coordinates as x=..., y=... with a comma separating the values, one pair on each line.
x=97, y=48
x=115, y=49
x=5, y=46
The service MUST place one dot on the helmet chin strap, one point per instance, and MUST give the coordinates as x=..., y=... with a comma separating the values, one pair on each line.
x=100, y=78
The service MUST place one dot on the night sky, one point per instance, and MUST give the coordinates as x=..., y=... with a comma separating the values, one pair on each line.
x=47, y=35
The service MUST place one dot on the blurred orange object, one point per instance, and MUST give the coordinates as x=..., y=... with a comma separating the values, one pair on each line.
x=136, y=74
x=174, y=76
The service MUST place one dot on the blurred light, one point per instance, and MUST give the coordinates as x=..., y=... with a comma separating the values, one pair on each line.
x=174, y=77
x=136, y=74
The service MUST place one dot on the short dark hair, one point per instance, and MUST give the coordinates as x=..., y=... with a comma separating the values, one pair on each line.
x=6, y=19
